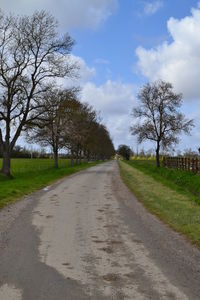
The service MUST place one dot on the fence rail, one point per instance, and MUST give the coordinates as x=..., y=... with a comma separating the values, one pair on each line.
x=182, y=163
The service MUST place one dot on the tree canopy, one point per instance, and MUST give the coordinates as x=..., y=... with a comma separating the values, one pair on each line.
x=67, y=123
x=124, y=151
x=32, y=57
x=160, y=119
x=31, y=53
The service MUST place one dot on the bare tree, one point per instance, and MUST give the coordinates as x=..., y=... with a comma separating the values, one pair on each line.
x=159, y=115
x=51, y=128
x=190, y=153
x=79, y=129
x=68, y=123
x=98, y=144
x=31, y=53
x=86, y=137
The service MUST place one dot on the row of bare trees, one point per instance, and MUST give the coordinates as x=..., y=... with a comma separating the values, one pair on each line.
x=32, y=57
x=66, y=123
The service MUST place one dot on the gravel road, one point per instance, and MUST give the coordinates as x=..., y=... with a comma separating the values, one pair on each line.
x=87, y=237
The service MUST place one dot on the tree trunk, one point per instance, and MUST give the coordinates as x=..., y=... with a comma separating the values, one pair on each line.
x=6, y=163
x=158, y=155
x=72, y=161
x=88, y=156
x=80, y=156
x=72, y=158
x=55, y=156
x=77, y=158
x=85, y=156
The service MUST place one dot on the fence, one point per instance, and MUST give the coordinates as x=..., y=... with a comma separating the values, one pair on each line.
x=182, y=163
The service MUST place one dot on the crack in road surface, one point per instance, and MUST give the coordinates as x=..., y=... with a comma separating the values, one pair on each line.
x=87, y=237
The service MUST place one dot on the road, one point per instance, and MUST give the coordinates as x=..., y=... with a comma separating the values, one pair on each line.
x=87, y=237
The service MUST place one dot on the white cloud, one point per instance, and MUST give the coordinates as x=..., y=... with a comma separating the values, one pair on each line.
x=151, y=8
x=112, y=98
x=115, y=101
x=71, y=14
x=178, y=61
x=84, y=73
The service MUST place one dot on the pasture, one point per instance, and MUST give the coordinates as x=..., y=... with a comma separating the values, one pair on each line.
x=22, y=166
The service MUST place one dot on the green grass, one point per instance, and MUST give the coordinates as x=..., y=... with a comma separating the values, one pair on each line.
x=171, y=205
x=21, y=166
x=181, y=181
x=30, y=175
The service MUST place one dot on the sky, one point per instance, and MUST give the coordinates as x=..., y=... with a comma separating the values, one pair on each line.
x=123, y=44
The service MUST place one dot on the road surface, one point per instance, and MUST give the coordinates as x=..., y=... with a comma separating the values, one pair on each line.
x=87, y=237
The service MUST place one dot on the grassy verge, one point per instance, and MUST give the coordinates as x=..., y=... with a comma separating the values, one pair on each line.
x=173, y=207
x=181, y=181
x=36, y=175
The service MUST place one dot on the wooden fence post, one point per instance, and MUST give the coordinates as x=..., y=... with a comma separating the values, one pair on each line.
x=182, y=163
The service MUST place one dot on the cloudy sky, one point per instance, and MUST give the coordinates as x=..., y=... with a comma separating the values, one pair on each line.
x=121, y=45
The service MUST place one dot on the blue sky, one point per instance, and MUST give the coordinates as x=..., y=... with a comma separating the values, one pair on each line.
x=128, y=27
x=122, y=44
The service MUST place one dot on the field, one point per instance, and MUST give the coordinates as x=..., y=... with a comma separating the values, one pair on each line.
x=21, y=166
x=173, y=196
x=32, y=174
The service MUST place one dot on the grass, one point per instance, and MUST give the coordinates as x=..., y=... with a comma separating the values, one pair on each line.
x=181, y=181
x=21, y=166
x=162, y=197
x=30, y=175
